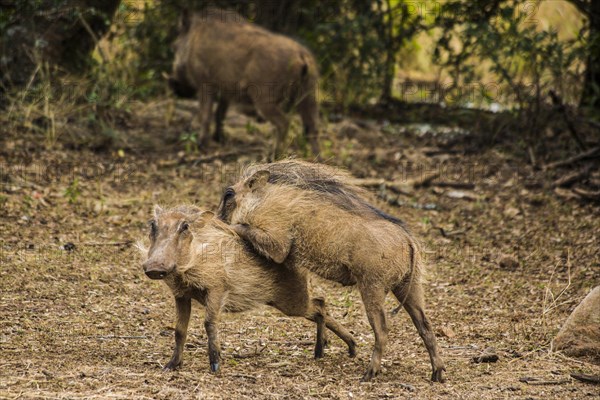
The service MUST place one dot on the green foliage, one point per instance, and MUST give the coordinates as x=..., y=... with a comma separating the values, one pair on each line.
x=357, y=44
x=73, y=191
x=190, y=142
x=504, y=38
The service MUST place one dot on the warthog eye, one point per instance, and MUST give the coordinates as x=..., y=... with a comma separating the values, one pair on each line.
x=184, y=227
x=229, y=194
x=153, y=228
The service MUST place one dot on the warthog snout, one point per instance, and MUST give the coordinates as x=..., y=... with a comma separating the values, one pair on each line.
x=181, y=89
x=156, y=270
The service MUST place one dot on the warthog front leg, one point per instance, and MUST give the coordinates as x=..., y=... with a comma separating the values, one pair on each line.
x=214, y=303
x=309, y=112
x=275, y=247
x=275, y=115
x=183, y=307
x=222, y=107
x=205, y=100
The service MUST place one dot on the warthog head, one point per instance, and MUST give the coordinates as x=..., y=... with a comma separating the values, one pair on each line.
x=171, y=238
x=178, y=80
x=242, y=194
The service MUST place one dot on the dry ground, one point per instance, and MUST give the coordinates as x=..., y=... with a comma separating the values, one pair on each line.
x=79, y=320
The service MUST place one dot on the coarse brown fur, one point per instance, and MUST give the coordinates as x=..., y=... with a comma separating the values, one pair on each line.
x=219, y=55
x=333, y=184
x=336, y=234
x=199, y=257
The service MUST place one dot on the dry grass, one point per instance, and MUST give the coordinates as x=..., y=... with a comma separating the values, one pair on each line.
x=87, y=324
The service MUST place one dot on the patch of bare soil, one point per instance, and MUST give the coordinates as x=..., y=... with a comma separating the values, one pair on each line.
x=508, y=261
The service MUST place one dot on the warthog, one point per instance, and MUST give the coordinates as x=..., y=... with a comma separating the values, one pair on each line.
x=309, y=216
x=199, y=257
x=219, y=55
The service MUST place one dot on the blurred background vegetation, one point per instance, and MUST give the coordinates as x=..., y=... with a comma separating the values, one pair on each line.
x=525, y=58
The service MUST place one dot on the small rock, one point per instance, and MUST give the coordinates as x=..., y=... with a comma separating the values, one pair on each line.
x=459, y=194
x=511, y=212
x=68, y=247
x=508, y=262
x=405, y=386
x=446, y=331
x=48, y=374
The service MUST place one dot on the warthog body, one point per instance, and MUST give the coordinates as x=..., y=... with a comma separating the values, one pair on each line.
x=309, y=216
x=219, y=55
x=201, y=258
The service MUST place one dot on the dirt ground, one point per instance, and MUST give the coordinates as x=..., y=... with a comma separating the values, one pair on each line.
x=79, y=320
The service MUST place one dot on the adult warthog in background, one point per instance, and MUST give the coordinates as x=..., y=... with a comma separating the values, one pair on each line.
x=220, y=56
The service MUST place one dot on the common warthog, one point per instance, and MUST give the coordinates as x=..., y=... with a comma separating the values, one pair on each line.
x=219, y=55
x=199, y=257
x=309, y=216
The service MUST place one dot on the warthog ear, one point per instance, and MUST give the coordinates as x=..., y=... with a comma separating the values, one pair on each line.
x=201, y=219
x=258, y=180
x=185, y=21
x=157, y=210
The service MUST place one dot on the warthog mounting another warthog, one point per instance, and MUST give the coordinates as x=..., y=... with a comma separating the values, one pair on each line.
x=310, y=217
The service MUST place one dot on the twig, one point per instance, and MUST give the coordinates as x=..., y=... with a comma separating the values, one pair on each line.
x=110, y=337
x=395, y=201
x=541, y=383
x=570, y=359
x=398, y=187
x=446, y=233
x=425, y=180
x=369, y=182
x=251, y=377
x=125, y=243
x=89, y=30
x=570, y=179
x=229, y=154
x=455, y=185
x=587, y=194
x=591, y=153
x=586, y=378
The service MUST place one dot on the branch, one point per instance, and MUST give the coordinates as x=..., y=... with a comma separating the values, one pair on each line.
x=586, y=378
x=591, y=153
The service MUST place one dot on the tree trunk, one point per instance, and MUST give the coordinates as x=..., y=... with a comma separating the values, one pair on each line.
x=591, y=89
x=388, y=77
x=61, y=33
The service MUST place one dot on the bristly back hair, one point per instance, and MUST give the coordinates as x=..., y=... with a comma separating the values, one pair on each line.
x=333, y=183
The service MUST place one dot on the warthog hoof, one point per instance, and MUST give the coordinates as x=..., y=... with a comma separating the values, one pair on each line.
x=370, y=374
x=438, y=376
x=319, y=352
x=172, y=366
x=214, y=367
x=352, y=351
